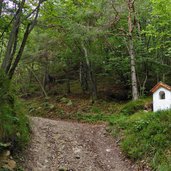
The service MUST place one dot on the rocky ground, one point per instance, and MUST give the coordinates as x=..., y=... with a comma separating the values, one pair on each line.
x=6, y=161
x=62, y=145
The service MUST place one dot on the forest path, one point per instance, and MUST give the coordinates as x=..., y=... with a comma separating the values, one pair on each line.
x=57, y=145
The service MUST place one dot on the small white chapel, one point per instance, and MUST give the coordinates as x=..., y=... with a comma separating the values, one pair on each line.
x=161, y=97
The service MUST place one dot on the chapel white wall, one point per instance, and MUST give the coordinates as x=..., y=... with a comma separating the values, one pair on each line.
x=161, y=104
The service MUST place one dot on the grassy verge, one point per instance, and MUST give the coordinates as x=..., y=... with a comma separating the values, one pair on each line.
x=145, y=136
x=72, y=109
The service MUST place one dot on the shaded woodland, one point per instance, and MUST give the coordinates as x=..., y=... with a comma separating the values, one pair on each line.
x=104, y=51
x=124, y=42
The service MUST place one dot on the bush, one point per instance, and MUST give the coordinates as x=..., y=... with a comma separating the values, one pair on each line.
x=147, y=136
x=13, y=122
x=134, y=106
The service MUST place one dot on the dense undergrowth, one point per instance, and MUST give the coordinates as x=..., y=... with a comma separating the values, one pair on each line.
x=14, y=130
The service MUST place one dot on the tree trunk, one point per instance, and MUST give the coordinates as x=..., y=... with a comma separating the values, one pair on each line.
x=142, y=87
x=45, y=79
x=30, y=75
x=9, y=62
x=133, y=71
x=39, y=82
x=9, y=55
x=83, y=76
x=20, y=52
x=46, y=72
x=91, y=75
x=68, y=86
x=1, y=3
x=131, y=49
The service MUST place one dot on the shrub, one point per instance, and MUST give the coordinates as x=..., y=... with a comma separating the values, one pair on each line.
x=148, y=136
x=13, y=122
x=134, y=106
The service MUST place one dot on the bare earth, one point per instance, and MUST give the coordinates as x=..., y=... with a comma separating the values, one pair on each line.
x=58, y=145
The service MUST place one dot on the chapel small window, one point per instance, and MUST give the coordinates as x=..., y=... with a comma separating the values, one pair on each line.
x=162, y=95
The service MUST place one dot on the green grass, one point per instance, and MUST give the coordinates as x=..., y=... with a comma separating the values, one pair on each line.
x=134, y=106
x=75, y=109
x=144, y=135
x=94, y=118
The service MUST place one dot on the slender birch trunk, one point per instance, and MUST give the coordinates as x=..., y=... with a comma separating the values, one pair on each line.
x=12, y=42
x=39, y=82
x=131, y=49
x=83, y=76
x=91, y=75
x=12, y=57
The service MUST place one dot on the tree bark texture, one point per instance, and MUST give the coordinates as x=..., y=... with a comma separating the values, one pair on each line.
x=12, y=42
x=83, y=76
x=131, y=49
x=39, y=82
x=1, y=4
x=12, y=58
x=91, y=75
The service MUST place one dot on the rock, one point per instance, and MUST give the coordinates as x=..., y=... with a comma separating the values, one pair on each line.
x=108, y=150
x=6, y=154
x=11, y=165
x=62, y=169
x=77, y=157
x=46, y=161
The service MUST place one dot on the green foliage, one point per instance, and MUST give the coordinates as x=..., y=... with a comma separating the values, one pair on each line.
x=55, y=48
x=13, y=122
x=4, y=87
x=55, y=44
x=145, y=135
x=4, y=169
x=134, y=106
x=148, y=136
x=93, y=118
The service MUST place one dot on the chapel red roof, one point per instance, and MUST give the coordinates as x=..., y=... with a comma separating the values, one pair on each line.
x=160, y=84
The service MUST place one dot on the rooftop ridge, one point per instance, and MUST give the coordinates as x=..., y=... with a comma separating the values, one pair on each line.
x=160, y=84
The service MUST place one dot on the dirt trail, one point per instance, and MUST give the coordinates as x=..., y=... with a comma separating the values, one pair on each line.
x=58, y=145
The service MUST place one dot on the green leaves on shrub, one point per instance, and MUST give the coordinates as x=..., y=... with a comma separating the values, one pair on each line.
x=148, y=136
x=134, y=106
x=13, y=122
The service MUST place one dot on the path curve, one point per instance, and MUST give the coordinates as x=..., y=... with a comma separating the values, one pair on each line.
x=57, y=145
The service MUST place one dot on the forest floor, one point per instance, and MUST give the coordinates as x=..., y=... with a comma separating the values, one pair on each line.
x=68, y=145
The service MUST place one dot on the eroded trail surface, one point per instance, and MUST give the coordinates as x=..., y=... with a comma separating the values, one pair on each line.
x=58, y=145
